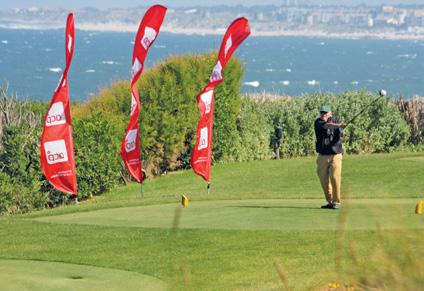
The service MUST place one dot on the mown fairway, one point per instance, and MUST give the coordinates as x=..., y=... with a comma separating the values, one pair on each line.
x=39, y=275
x=271, y=214
x=259, y=215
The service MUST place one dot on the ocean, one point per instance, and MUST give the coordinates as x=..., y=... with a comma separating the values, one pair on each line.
x=31, y=62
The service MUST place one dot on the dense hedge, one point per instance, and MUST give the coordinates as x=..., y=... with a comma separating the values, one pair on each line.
x=22, y=185
x=169, y=113
x=381, y=128
x=20, y=176
x=96, y=154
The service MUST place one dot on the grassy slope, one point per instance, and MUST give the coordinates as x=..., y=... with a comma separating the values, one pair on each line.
x=232, y=259
x=253, y=214
x=70, y=277
x=366, y=176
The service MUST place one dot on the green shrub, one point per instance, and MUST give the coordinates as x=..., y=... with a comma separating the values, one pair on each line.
x=380, y=128
x=97, y=158
x=18, y=198
x=227, y=110
x=20, y=179
x=169, y=113
x=254, y=132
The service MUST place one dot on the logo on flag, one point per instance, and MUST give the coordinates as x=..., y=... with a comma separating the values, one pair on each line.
x=56, y=151
x=130, y=140
x=203, y=141
x=216, y=72
x=148, y=38
x=207, y=100
x=63, y=84
x=56, y=114
x=69, y=43
x=136, y=67
x=228, y=45
x=133, y=104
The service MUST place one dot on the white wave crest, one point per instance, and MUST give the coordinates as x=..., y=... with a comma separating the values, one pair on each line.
x=55, y=70
x=190, y=11
x=252, y=84
x=408, y=56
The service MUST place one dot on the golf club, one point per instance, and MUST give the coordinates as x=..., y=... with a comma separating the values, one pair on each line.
x=381, y=93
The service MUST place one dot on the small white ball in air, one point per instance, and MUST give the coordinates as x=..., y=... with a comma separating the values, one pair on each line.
x=382, y=92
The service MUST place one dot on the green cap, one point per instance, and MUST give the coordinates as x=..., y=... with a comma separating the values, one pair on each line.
x=325, y=109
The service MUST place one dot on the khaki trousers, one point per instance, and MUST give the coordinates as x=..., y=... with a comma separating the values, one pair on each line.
x=329, y=170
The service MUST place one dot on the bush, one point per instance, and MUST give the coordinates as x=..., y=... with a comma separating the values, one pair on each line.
x=413, y=113
x=97, y=156
x=17, y=198
x=20, y=174
x=20, y=179
x=169, y=113
x=380, y=128
x=227, y=110
x=254, y=132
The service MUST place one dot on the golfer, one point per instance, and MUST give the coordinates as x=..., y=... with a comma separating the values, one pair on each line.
x=328, y=132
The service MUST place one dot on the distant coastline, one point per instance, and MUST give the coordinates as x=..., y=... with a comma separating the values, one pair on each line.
x=381, y=22
x=123, y=27
x=305, y=33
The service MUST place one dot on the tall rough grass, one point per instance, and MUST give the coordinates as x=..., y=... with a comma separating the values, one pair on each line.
x=395, y=262
x=413, y=112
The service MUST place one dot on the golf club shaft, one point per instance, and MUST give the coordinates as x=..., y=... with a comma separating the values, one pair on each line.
x=363, y=109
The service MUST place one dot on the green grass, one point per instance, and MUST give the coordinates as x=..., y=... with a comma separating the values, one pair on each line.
x=270, y=214
x=23, y=274
x=258, y=213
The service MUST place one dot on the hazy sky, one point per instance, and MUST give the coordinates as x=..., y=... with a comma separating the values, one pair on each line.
x=5, y=4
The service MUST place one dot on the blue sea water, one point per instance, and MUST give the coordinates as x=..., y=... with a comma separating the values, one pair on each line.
x=31, y=62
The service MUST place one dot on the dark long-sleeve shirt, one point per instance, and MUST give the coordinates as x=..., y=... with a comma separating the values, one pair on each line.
x=328, y=140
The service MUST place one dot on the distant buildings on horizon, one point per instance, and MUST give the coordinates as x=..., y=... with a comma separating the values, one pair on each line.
x=290, y=18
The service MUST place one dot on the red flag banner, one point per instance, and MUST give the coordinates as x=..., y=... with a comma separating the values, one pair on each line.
x=57, y=145
x=146, y=35
x=201, y=156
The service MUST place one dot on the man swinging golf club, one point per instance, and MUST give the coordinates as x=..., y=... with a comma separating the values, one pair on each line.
x=328, y=132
